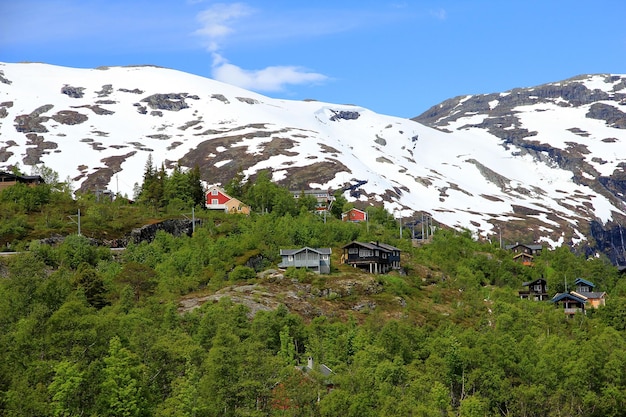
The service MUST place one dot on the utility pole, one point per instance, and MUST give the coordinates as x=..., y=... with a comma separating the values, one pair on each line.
x=77, y=221
x=193, y=219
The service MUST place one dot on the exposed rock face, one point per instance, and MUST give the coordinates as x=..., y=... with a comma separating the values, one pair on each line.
x=569, y=93
x=344, y=115
x=610, y=239
x=33, y=122
x=39, y=146
x=74, y=92
x=247, y=100
x=176, y=227
x=170, y=102
x=133, y=91
x=506, y=164
x=69, y=117
x=96, y=108
x=501, y=115
x=4, y=80
x=106, y=90
x=613, y=116
x=3, y=109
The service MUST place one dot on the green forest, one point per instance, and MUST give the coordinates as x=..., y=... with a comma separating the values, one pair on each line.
x=86, y=331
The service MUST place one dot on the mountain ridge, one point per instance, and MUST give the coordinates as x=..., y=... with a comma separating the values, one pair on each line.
x=539, y=164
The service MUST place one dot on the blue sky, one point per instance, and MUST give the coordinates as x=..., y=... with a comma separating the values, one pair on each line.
x=394, y=57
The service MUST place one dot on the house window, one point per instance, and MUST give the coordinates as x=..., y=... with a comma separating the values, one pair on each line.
x=538, y=287
x=324, y=257
x=583, y=289
x=213, y=192
x=290, y=258
x=214, y=201
x=353, y=251
x=365, y=253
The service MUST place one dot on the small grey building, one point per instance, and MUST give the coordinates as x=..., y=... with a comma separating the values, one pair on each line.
x=316, y=259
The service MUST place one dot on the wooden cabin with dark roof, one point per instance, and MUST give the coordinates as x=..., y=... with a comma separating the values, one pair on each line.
x=570, y=302
x=536, y=290
x=375, y=257
x=8, y=179
x=523, y=253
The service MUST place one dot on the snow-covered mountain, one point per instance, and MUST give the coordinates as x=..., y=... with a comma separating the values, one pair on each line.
x=543, y=164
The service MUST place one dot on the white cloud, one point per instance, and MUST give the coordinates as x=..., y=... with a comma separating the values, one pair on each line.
x=269, y=79
x=221, y=21
x=217, y=21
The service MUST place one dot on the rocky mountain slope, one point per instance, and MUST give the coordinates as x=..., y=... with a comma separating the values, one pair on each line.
x=543, y=164
x=576, y=126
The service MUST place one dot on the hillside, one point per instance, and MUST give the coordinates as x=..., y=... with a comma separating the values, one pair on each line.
x=536, y=164
x=205, y=325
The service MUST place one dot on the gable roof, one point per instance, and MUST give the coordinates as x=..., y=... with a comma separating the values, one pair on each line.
x=571, y=296
x=595, y=295
x=310, y=366
x=321, y=251
x=9, y=176
x=218, y=188
x=532, y=247
x=537, y=281
x=354, y=209
x=584, y=281
x=386, y=246
x=371, y=246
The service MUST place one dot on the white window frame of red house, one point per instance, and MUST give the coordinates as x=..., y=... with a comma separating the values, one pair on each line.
x=214, y=192
x=215, y=201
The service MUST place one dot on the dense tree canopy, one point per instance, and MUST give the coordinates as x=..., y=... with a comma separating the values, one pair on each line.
x=86, y=333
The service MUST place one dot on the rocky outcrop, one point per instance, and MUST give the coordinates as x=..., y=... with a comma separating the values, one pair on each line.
x=170, y=102
x=176, y=227
x=3, y=79
x=33, y=122
x=610, y=239
x=612, y=115
x=106, y=90
x=344, y=115
x=498, y=106
x=69, y=117
x=74, y=92
x=3, y=109
x=499, y=114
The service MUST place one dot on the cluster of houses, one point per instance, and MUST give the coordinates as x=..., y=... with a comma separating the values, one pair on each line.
x=217, y=199
x=376, y=257
x=373, y=257
x=574, y=301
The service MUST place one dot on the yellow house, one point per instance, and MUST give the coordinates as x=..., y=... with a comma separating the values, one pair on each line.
x=235, y=206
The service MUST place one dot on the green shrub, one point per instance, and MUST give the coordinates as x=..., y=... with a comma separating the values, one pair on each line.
x=241, y=273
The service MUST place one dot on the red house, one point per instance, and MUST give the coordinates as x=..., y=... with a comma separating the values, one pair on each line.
x=354, y=215
x=217, y=199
